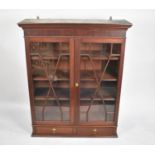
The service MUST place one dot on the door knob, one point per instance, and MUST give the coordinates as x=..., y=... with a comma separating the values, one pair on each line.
x=76, y=84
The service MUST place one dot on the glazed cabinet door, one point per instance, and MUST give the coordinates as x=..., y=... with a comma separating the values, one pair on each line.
x=51, y=66
x=98, y=79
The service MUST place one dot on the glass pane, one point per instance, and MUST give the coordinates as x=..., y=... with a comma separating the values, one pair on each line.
x=50, y=69
x=98, y=81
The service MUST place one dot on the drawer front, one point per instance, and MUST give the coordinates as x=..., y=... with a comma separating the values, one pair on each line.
x=53, y=130
x=92, y=131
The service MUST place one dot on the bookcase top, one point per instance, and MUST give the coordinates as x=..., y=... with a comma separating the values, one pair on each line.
x=74, y=21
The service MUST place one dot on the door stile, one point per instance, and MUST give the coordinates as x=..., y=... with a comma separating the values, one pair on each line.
x=77, y=79
x=72, y=88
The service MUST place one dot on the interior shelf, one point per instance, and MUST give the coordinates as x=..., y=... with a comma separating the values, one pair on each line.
x=108, y=93
x=45, y=79
x=84, y=77
x=43, y=98
x=39, y=75
x=113, y=57
x=55, y=84
x=61, y=93
x=89, y=76
x=34, y=56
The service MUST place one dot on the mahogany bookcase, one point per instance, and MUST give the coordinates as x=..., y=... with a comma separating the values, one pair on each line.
x=74, y=72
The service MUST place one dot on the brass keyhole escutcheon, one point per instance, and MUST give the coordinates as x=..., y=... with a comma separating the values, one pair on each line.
x=76, y=84
x=54, y=130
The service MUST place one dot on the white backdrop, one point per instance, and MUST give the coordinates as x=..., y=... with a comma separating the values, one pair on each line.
x=137, y=107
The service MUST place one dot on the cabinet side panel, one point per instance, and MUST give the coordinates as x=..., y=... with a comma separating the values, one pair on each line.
x=29, y=76
x=120, y=74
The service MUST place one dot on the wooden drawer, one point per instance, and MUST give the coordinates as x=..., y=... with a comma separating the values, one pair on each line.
x=93, y=131
x=53, y=131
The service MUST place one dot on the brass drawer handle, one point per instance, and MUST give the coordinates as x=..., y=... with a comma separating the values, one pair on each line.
x=94, y=131
x=54, y=130
x=76, y=84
